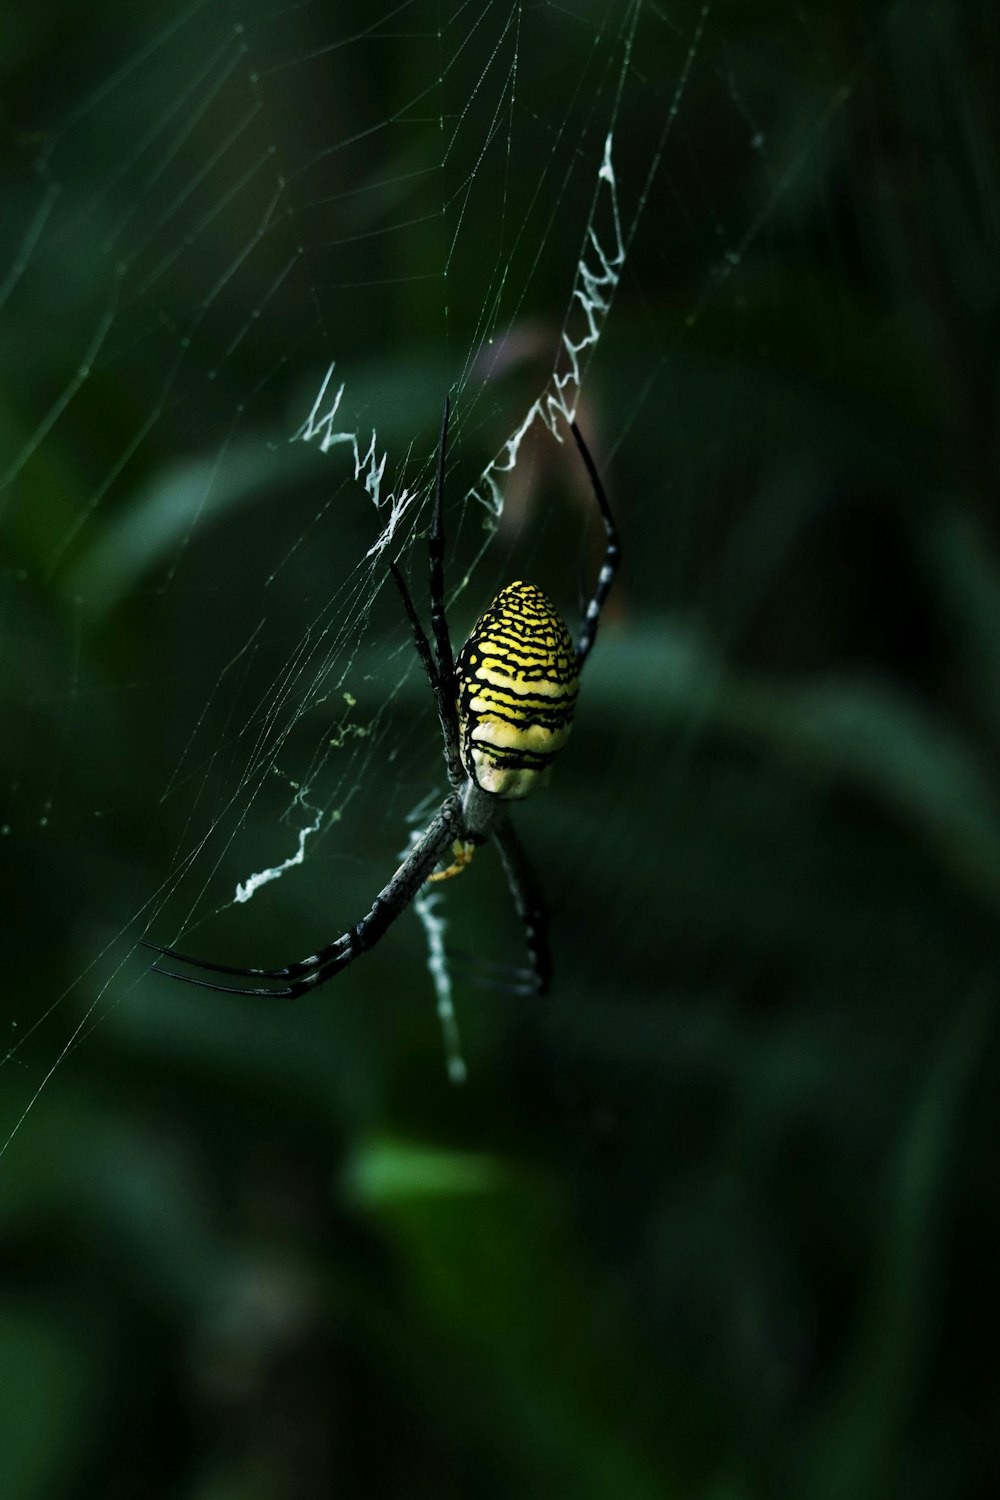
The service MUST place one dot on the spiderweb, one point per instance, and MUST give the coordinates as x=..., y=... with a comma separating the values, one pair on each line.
x=248, y=251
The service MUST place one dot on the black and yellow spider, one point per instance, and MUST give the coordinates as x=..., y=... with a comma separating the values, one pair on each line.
x=505, y=708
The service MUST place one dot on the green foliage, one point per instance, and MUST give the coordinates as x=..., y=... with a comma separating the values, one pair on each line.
x=718, y=1220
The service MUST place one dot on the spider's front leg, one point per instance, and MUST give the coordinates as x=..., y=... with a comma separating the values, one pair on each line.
x=306, y=973
x=443, y=686
x=439, y=662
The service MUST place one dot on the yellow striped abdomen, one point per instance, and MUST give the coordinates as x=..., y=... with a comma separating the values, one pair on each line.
x=517, y=686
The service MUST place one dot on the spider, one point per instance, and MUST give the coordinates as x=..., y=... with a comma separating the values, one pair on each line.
x=505, y=708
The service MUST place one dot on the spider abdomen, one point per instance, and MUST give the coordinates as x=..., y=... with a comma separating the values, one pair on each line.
x=517, y=685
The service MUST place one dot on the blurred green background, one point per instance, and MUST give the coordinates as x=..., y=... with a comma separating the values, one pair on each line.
x=718, y=1218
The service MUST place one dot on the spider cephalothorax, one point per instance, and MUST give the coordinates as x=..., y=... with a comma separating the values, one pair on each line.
x=505, y=708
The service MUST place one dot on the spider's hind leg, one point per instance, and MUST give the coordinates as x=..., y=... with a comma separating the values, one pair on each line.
x=487, y=974
x=527, y=894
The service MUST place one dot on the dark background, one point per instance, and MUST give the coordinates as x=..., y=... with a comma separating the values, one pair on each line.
x=718, y=1218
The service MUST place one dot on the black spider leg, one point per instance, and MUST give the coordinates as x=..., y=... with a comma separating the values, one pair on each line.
x=435, y=552
x=527, y=894
x=443, y=698
x=438, y=664
x=306, y=973
x=612, y=554
x=501, y=979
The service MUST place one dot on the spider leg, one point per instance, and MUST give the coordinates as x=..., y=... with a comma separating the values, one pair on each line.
x=612, y=554
x=444, y=694
x=487, y=974
x=528, y=899
x=444, y=686
x=305, y=974
x=423, y=645
x=439, y=663
x=289, y=971
x=435, y=550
